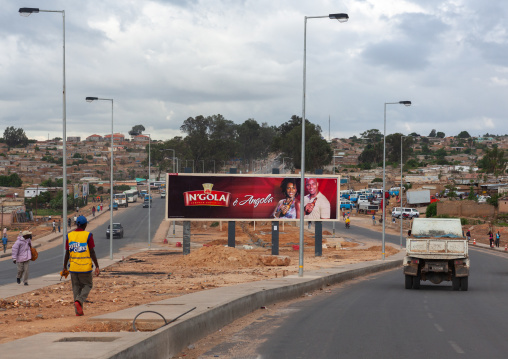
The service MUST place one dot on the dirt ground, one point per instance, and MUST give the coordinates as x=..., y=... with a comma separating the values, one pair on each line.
x=155, y=275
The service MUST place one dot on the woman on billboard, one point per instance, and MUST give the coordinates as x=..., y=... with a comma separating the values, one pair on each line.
x=289, y=207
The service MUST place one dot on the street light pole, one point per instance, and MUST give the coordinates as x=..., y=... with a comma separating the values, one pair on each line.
x=340, y=18
x=400, y=194
x=111, y=182
x=149, y=191
x=26, y=11
x=383, y=210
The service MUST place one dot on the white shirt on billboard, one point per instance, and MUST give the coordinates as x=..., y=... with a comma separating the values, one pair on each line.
x=321, y=208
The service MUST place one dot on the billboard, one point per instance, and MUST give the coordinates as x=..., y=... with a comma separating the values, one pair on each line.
x=250, y=197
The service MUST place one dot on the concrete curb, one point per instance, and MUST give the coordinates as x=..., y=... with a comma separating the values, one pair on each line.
x=167, y=342
x=215, y=308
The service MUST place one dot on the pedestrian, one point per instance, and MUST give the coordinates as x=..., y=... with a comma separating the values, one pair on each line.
x=59, y=226
x=54, y=227
x=98, y=208
x=21, y=255
x=393, y=220
x=4, y=239
x=468, y=235
x=498, y=236
x=373, y=219
x=69, y=222
x=80, y=253
x=75, y=218
x=491, y=239
x=344, y=215
x=93, y=211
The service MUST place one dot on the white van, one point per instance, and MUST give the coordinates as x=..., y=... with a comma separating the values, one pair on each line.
x=406, y=212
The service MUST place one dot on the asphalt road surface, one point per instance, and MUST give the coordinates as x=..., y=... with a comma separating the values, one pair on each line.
x=134, y=219
x=375, y=317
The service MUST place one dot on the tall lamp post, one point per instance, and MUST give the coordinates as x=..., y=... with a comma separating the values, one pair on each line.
x=111, y=183
x=340, y=18
x=26, y=11
x=170, y=149
x=149, y=191
x=400, y=192
x=405, y=103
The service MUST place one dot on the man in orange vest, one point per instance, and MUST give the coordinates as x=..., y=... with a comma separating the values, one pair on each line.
x=79, y=251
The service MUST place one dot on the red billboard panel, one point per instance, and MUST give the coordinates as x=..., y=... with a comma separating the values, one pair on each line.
x=250, y=197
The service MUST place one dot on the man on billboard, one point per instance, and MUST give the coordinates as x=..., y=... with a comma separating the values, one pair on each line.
x=316, y=205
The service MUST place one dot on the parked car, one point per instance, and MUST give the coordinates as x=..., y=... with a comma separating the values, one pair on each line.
x=163, y=194
x=346, y=204
x=115, y=206
x=483, y=199
x=117, y=230
x=406, y=212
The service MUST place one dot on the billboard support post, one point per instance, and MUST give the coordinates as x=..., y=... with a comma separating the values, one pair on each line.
x=231, y=233
x=318, y=244
x=186, y=237
x=275, y=238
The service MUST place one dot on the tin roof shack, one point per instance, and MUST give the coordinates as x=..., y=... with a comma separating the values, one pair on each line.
x=436, y=251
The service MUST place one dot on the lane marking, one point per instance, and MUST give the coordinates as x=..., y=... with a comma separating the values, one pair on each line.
x=430, y=315
x=456, y=347
x=438, y=327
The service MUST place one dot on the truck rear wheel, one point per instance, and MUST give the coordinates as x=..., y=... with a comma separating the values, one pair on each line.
x=464, y=283
x=416, y=282
x=409, y=282
x=455, y=283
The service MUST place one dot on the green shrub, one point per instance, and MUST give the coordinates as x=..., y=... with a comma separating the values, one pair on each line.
x=431, y=210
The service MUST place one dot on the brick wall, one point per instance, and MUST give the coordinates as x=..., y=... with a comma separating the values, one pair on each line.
x=465, y=209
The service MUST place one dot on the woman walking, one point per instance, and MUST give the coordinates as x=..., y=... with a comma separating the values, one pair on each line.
x=21, y=255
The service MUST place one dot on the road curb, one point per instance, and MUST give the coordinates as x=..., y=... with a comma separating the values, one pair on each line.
x=169, y=341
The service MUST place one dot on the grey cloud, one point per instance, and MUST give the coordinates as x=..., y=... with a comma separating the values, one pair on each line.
x=397, y=55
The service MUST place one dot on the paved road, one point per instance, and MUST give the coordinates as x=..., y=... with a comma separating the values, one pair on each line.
x=377, y=318
x=134, y=219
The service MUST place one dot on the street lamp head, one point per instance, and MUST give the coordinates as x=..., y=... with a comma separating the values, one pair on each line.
x=405, y=103
x=339, y=17
x=26, y=11
x=90, y=99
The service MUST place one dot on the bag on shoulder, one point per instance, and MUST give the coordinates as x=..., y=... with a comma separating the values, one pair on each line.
x=35, y=254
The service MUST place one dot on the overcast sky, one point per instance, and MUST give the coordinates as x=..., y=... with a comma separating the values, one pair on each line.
x=164, y=61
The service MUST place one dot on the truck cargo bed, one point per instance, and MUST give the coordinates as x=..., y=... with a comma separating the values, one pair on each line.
x=432, y=248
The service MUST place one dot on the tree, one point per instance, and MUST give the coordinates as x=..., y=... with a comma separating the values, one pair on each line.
x=137, y=130
x=432, y=133
x=318, y=152
x=12, y=180
x=372, y=136
x=440, y=135
x=254, y=141
x=15, y=137
x=463, y=134
x=431, y=210
x=493, y=161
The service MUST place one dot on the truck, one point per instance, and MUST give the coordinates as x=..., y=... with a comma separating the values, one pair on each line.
x=418, y=197
x=368, y=208
x=437, y=251
x=120, y=199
